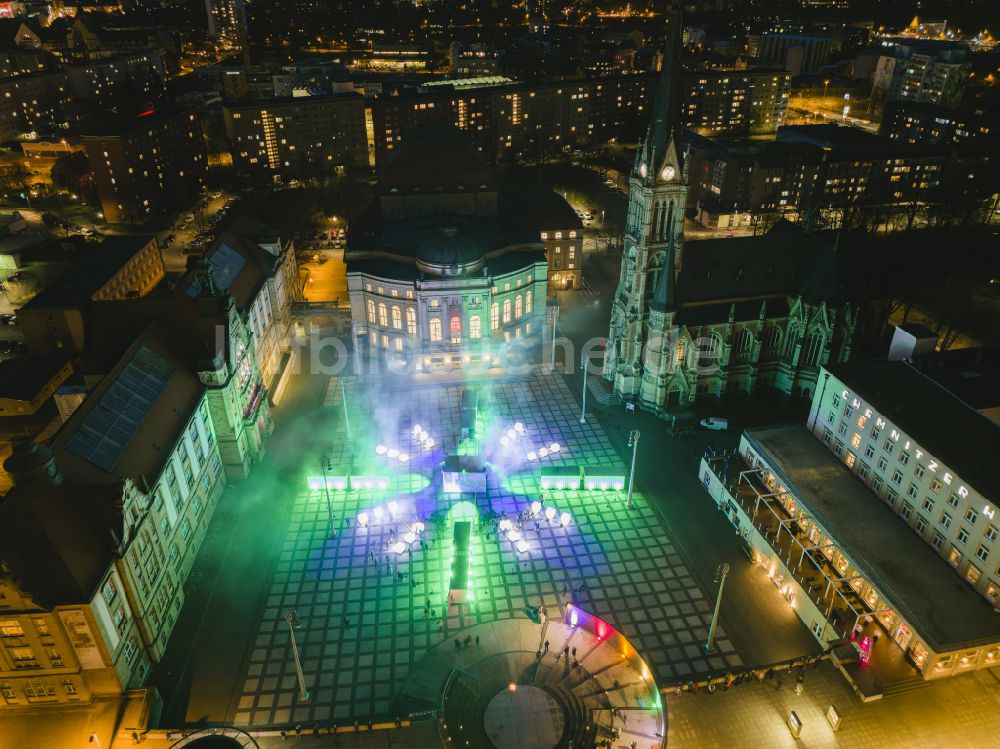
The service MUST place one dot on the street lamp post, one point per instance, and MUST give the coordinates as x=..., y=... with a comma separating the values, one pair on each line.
x=720, y=577
x=633, y=442
x=292, y=617
x=343, y=404
x=324, y=464
x=555, y=321
x=357, y=349
x=583, y=407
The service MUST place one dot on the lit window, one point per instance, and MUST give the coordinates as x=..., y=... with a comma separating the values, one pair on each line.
x=475, y=327
x=435, y=328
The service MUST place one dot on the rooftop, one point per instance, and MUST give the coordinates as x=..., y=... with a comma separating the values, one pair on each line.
x=127, y=426
x=76, y=287
x=943, y=609
x=58, y=540
x=22, y=377
x=971, y=374
x=945, y=426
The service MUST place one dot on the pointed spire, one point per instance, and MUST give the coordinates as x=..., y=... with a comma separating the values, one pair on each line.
x=664, y=298
x=666, y=125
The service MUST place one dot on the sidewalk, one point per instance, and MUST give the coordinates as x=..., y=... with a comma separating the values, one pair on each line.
x=955, y=712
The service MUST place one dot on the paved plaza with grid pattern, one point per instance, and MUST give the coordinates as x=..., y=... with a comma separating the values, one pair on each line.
x=362, y=627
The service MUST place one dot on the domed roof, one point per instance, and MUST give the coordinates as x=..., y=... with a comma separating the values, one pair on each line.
x=450, y=247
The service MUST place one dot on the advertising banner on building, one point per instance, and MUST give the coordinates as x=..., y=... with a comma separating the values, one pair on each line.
x=82, y=639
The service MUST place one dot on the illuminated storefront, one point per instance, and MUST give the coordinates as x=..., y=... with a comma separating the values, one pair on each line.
x=847, y=567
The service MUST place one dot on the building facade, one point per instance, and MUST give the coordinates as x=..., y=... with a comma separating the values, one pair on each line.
x=34, y=103
x=151, y=163
x=440, y=274
x=866, y=519
x=258, y=267
x=279, y=140
x=735, y=102
x=702, y=318
x=116, y=80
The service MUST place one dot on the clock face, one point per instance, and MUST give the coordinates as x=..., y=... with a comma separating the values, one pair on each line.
x=668, y=172
x=642, y=170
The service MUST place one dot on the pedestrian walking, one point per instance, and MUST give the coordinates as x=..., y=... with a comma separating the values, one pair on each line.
x=347, y=622
x=477, y=641
x=574, y=652
x=546, y=646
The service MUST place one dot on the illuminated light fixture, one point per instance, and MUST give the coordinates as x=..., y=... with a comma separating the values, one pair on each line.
x=429, y=443
x=574, y=616
x=522, y=546
x=513, y=535
x=565, y=518
x=504, y=441
x=362, y=519
x=512, y=687
x=383, y=483
x=381, y=449
x=532, y=455
x=399, y=547
x=417, y=429
x=511, y=434
x=519, y=427
x=555, y=447
x=410, y=537
x=393, y=452
x=536, y=507
x=543, y=452
x=506, y=524
x=379, y=513
x=404, y=458
x=394, y=507
x=550, y=513
x=418, y=527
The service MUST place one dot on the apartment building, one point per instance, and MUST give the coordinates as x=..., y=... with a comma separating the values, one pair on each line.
x=295, y=138
x=115, y=80
x=40, y=102
x=149, y=163
x=730, y=102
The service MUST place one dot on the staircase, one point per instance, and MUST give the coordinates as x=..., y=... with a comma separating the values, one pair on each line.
x=904, y=686
x=600, y=390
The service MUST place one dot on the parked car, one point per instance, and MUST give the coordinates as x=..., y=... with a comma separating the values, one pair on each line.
x=715, y=423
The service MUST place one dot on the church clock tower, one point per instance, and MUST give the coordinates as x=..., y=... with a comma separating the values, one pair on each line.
x=640, y=338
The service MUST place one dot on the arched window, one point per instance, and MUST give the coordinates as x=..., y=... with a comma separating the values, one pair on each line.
x=371, y=311
x=455, y=328
x=518, y=307
x=383, y=314
x=527, y=302
x=743, y=345
x=435, y=328
x=791, y=340
x=495, y=316
x=397, y=318
x=710, y=351
x=772, y=342
x=506, y=311
x=814, y=348
x=681, y=351
x=411, y=321
x=475, y=329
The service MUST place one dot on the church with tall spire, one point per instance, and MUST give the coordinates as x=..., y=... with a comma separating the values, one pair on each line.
x=707, y=317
